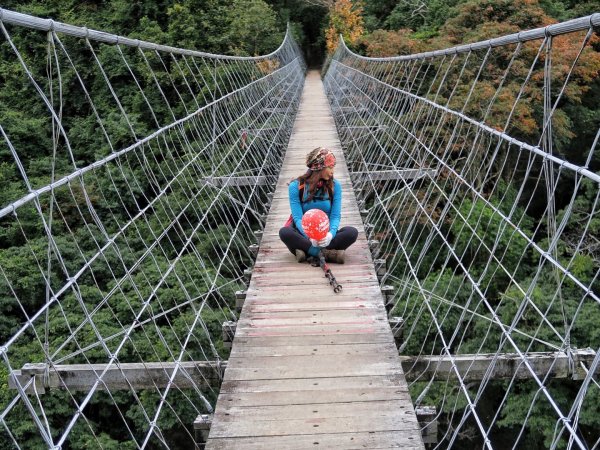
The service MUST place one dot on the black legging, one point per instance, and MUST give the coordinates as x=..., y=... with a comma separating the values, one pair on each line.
x=293, y=239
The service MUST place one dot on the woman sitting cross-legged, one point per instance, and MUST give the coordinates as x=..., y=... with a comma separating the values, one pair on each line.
x=317, y=189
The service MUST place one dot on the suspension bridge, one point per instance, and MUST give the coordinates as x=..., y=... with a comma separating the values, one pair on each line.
x=147, y=301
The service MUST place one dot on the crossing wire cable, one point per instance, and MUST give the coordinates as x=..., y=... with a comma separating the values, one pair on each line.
x=459, y=239
x=145, y=234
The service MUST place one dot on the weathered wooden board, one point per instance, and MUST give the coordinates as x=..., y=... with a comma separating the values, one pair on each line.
x=299, y=397
x=310, y=368
x=312, y=411
x=372, y=422
x=315, y=386
x=322, y=330
x=306, y=350
x=345, y=441
x=333, y=339
x=304, y=318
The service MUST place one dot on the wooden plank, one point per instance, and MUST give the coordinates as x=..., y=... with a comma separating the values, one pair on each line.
x=302, y=283
x=315, y=386
x=298, y=397
x=318, y=366
x=312, y=411
x=303, y=318
x=332, y=339
x=317, y=330
x=372, y=423
x=307, y=350
x=352, y=273
x=345, y=441
x=351, y=293
x=305, y=307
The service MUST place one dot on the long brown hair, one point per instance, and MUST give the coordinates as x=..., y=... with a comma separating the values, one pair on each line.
x=315, y=181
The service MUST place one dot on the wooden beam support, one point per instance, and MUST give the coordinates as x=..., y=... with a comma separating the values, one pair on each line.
x=125, y=376
x=228, y=333
x=281, y=98
x=427, y=417
x=374, y=127
x=240, y=298
x=392, y=175
x=380, y=268
x=397, y=326
x=374, y=247
x=388, y=295
x=276, y=110
x=349, y=109
x=151, y=375
x=247, y=275
x=238, y=181
x=499, y=367
x=202, y=426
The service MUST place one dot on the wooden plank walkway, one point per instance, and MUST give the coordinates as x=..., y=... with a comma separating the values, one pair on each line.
x=310, y=368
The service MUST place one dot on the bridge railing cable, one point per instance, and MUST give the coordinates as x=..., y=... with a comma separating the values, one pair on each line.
x=125, y=227
x=484, y=197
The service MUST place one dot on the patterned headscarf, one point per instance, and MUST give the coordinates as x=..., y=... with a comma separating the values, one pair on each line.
x=320, y=158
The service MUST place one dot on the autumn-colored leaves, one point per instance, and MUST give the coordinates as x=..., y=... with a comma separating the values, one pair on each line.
x=345, y=18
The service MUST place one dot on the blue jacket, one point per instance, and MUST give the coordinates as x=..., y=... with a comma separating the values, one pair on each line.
x=320, y=201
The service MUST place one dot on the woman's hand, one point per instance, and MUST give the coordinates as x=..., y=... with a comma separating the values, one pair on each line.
x=326, y=240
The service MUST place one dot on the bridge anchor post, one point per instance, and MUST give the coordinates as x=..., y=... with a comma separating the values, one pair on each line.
x=253, y=249
x=397, y=326
x=201, y=429
x=380, y=268
x=247, y=276
x=388, y=296
x=228, y=332
x=374, y=247
x=426, y=415
x=240, y=298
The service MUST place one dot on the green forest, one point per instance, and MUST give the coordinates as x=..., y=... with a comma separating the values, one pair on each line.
x=376, y=28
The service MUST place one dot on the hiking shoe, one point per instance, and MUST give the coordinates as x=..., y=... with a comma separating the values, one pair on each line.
x=300, y=256
x=334, y=256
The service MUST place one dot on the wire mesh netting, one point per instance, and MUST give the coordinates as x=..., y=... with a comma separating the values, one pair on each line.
x=134, y=177
x=484, y=199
